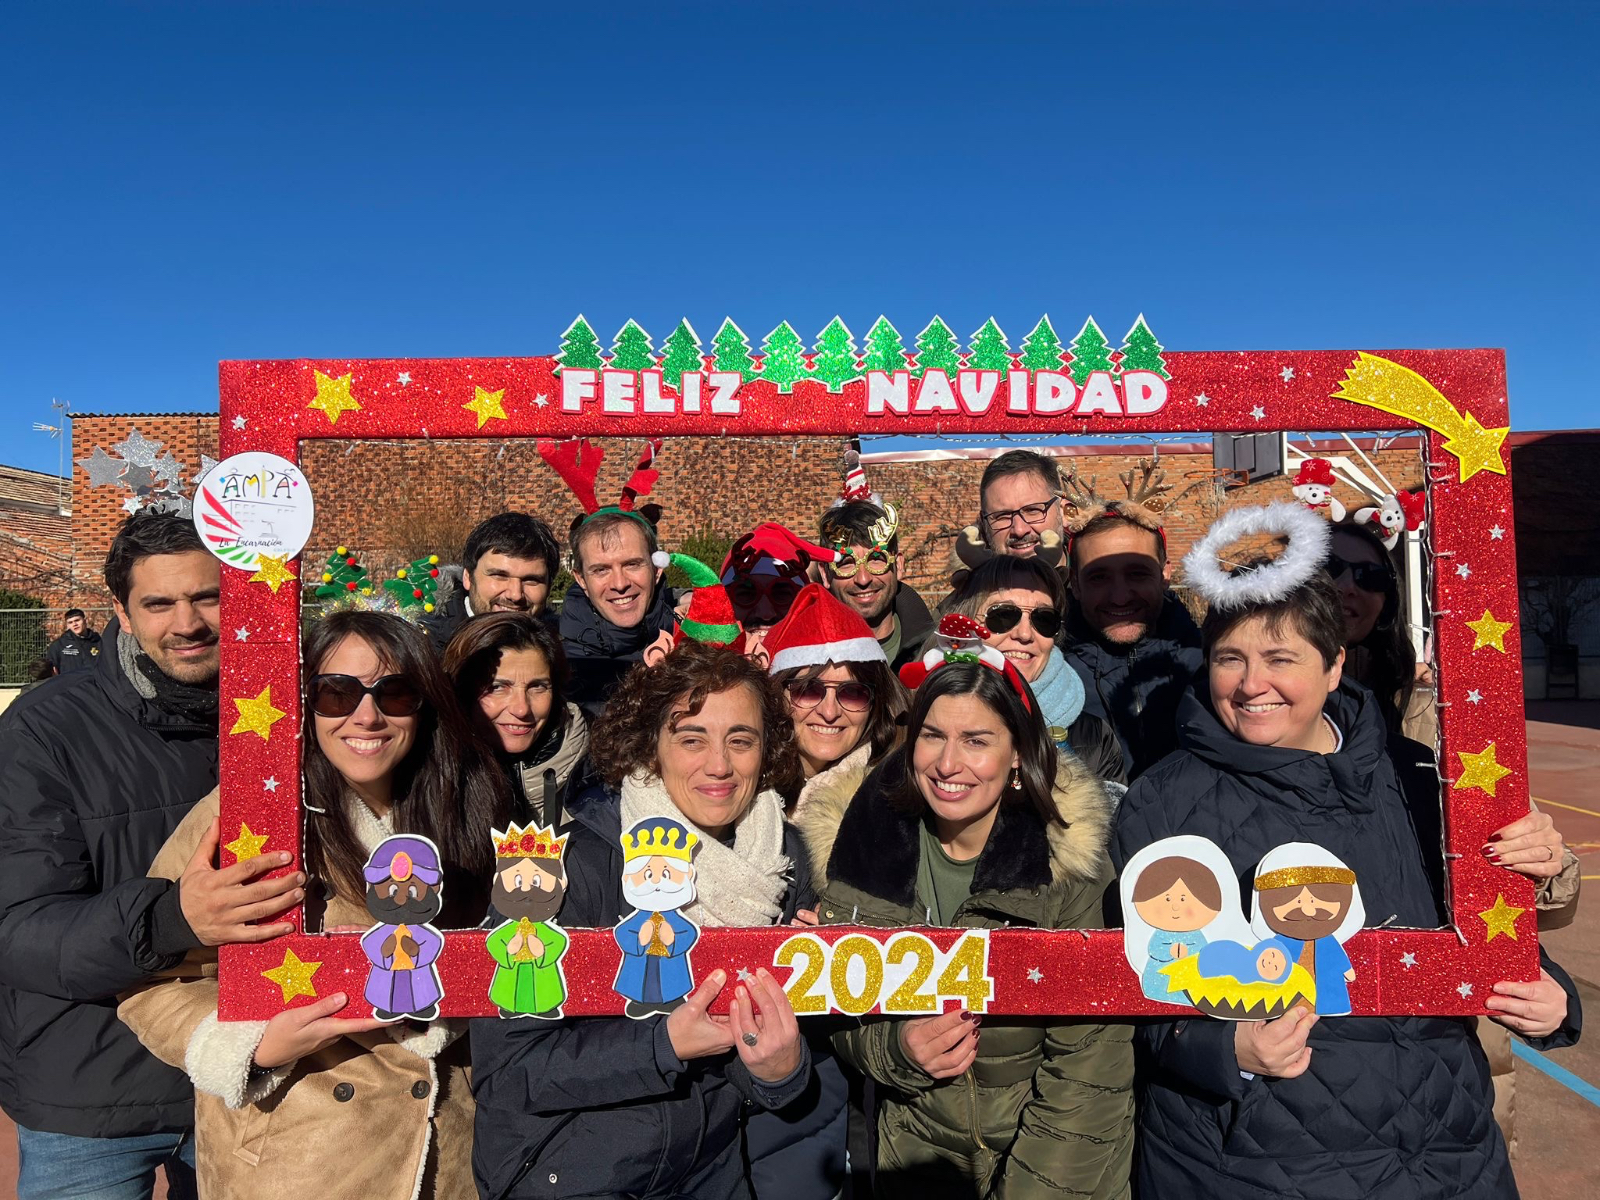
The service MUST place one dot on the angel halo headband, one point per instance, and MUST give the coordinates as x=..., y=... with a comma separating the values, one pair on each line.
x=1308, y=534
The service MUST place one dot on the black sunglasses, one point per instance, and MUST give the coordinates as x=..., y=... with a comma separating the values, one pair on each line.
x=1003, y=618
x=341, y=695
x=1369, y=577
x=852, y=696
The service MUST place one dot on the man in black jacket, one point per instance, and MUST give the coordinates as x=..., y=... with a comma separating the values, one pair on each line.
x=867, y=578
x=77, y=648
x=507, y=565
x=100, y=768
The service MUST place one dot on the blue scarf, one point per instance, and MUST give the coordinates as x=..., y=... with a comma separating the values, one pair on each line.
x=1059, y=690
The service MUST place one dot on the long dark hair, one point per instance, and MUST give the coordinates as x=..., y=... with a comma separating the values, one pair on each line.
x=473, y=656
x=447, y=789
x=1387, y=662
x=889, y=699
x=1036, y=753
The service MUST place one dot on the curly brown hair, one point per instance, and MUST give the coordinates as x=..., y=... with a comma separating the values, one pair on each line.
x=624, y=739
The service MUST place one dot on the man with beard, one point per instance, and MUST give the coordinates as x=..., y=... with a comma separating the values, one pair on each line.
x=100, y=768
x=529, y=886
x=1309, y=897
x=507, y=565
x=866, y=577
x=657, y=879
x=403, y=894
x=1019, y=500
x=617, y=606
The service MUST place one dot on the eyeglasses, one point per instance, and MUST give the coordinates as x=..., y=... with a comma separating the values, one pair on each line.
x=877, y=562
x=341, y=695
x=852, y=696
x=1003, y=618
x=1369, y=577
x=1033, y=514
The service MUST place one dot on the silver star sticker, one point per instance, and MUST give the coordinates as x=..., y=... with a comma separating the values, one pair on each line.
x=1287, y=373
x=167, y=468
x=1408, y=960
x=138, y=477
x=1465, y=990
x=1202, y=399
x=131, y=504
x=1463, y=570
x=241, y=634
x=403, y=378
x=744, y=975
x=101, y=468
x=270, y=784
x=1475, y=696
x=138, y=449
x=238, y=422
x=1258, y=412
x=206, y=463
x=1496, y=533
x=542, y=400
x=1035, y=975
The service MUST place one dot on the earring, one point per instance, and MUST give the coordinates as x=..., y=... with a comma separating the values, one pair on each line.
x=1016, y=780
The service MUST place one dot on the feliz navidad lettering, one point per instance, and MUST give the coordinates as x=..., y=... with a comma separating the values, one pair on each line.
x=972, y=393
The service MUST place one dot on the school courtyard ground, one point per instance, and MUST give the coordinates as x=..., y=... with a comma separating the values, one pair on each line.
x=1558, y=1095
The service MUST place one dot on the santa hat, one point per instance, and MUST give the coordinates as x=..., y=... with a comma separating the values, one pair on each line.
x=820, y=629
x=855, y=481
x=960, y=638
x=788, y=553
x=1314, y=471
x=710, y=617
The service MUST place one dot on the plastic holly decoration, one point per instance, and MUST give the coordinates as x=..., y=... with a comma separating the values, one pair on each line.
x=885, y=351
x=1090, y=352
x=1041, y=349
x=937, y=349
x=731, y=350
x=632, y=350
x=784, y=357
x=580, y=348
x=835, y=360
x=989, y=351
x=1141, y=351
x=683, y=355
x=343, y=576
x=416, y=585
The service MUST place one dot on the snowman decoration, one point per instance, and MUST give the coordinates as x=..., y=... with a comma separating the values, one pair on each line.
x=959, y=638
x=1395, y=514
x=1313, y=487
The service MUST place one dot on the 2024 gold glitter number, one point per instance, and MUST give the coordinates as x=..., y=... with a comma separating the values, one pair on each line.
x=858, y=973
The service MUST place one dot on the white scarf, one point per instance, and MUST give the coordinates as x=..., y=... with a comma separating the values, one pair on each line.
x=741, y=884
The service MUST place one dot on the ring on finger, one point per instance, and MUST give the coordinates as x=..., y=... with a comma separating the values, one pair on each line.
x=750, y=1039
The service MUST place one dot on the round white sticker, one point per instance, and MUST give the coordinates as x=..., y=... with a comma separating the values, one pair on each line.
x=253, y=504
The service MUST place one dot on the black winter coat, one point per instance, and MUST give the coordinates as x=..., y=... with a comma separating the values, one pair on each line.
x=602, y=1106
x=598, y=653
x=97, y=778
x=1391, y=1107
x=73, y=652
x=1137, y=688
x=446, y=620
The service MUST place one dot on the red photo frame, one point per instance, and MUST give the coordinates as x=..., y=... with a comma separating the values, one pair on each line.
x=1456, y=397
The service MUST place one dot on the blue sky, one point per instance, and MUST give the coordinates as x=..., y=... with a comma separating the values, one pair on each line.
x=186, y=183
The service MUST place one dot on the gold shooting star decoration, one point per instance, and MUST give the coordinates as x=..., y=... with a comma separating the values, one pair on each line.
x=1389, y=387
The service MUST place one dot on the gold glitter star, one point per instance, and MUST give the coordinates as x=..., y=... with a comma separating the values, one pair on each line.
x=294, y=976
x=1389, y=387
x=1477, y=448
x=1502, y=918
x=1489, y=632
x=333, y=397
x=272, y=570
x=1480, y=770
x=247, y=845
x=487, y=405
x=257, y=715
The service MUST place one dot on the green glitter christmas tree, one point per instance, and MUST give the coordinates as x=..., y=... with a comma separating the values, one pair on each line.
x=885, y=351
x=835, y=360
x=683, y=355
x=579, y=347
x=990, y=351
x=417, y=584
x=343, y=576
x=1141, y=351
x=783, y=361
x=731, y=350
x=1090, y=352
x=1041, y=349
x=632, y=350
x=937, y=349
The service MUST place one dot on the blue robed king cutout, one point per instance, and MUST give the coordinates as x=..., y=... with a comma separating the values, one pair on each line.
x=658, y=879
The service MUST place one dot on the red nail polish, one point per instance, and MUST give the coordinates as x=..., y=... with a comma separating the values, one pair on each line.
x=966, y=1016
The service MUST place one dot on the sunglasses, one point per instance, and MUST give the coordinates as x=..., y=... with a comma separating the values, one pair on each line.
x=1369, y=577
x=1003, y=618
x=852, y=696
x=341, y=695
x=877, y=562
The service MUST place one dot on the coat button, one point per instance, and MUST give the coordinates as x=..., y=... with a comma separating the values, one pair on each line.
x=552, y=1176
x=344, y=1092
x=420, y=1089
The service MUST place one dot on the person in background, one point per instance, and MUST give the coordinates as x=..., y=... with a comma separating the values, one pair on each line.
x=1022, y=604
x=764, y=571
x=1019, y=504
x=77, y=647
x=510, y=676
x=507, y=565
x=866, y=576
x=617, y=606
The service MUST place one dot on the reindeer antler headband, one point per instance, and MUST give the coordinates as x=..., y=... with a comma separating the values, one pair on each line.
x=578, y=464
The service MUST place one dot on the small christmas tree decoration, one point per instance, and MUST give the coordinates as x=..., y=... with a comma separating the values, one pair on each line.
x=632, y=350
x=416, y=585
x=784, y=360
x=885, y=351
x=342, y=576
x=1141, y=351
x=990, y=351
x=1090, y=352
x=683, y=355
x=1041, y=349
x=835, y=360
x=937, y=349
x=579, y=347
x=731, y=350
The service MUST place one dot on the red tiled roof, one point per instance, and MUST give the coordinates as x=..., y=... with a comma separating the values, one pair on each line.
x=19, y=485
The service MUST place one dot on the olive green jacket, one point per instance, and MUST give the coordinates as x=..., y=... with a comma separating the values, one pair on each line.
x=1046, y=1110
